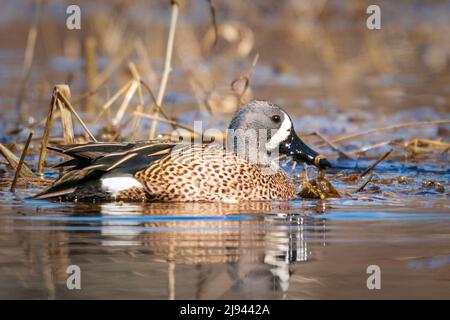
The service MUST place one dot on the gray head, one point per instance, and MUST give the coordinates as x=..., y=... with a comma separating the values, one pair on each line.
x=272, y=129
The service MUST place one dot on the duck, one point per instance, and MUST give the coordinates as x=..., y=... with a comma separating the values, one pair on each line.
x=244, y=167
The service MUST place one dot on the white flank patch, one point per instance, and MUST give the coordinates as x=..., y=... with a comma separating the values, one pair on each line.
x=114, y=185
x=281, y=134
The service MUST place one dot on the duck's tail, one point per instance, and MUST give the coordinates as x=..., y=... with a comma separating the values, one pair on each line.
x=90, y=161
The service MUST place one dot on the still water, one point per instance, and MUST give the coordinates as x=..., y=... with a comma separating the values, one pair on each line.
x=303, y=249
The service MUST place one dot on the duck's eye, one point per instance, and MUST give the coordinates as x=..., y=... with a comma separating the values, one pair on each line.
x=276, y=118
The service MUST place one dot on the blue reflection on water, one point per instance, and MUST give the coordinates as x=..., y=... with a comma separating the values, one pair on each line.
x=430, y=263
x=384, y=216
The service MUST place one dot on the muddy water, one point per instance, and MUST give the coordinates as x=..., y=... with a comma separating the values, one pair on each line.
x=332, y=76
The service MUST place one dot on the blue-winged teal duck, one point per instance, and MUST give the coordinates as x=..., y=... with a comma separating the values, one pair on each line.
x=168, y=171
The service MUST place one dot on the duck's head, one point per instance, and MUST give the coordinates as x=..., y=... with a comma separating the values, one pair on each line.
x=273, y=130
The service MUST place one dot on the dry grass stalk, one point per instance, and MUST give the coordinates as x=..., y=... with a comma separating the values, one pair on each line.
x=91, y=70
x=167, y=66
x=66, y=115
x=371, y=147
x=424, y=146
x=373, y=165
x=341, y=153
x=126, y=101
x=65, y=101
x=393, y=127
x=140, y=108
x=46, y=134
x=366, y=182
x=21, y=162
x=438, y=144
x=13, y=161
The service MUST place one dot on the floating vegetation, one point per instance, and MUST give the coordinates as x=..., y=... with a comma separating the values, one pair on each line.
x=355, y=178
x=319, y=188
x=430, y=184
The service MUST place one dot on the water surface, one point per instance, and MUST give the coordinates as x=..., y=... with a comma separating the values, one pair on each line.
x=261, y=250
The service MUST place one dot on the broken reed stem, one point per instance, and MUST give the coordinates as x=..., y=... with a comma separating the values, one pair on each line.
x=66, y=115
x=393, y=127
x=28, y=59
x=60, y=99
x=341, y=153
x=167, y=65
x=21, y=161
x=126, y=101
x=373, y=165
x=90, y=45
x=140, y=108
x=366, y=182
x=67, y=125
x=371, y=147
x=46, y=134
x=61, y=96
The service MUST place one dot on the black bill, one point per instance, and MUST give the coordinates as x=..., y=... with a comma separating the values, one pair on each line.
x=293, y=146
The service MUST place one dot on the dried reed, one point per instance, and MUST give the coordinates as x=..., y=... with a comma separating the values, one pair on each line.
x=167, y=66
x=21, y=162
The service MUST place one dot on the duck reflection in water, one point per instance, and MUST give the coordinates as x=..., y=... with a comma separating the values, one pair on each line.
x=243, y=249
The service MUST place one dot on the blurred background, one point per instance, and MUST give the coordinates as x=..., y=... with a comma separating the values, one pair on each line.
x=315, y=58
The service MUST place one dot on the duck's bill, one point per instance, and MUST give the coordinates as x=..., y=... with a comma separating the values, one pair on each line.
x=296, y=148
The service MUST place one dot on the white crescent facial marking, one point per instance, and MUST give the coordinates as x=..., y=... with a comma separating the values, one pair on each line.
x=281, y=135
x=114, y=185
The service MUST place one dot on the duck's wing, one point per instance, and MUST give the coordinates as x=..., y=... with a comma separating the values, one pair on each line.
x=90, y=161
